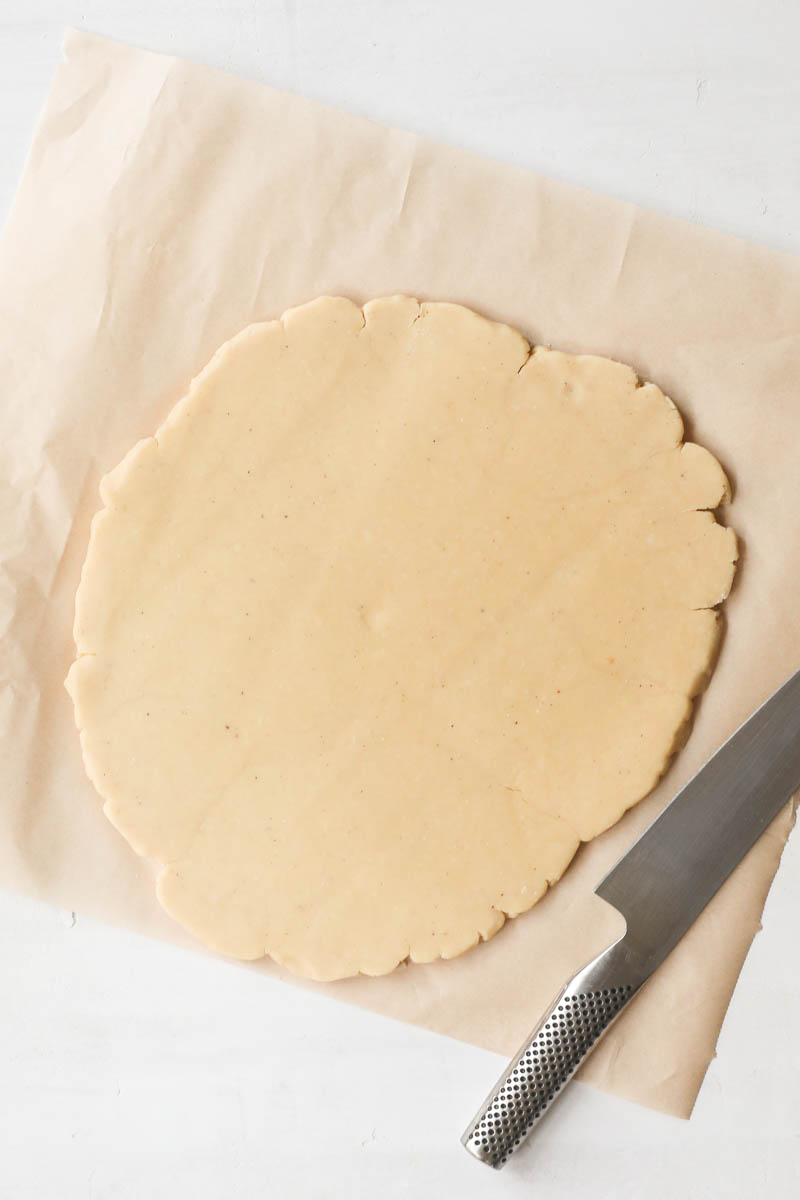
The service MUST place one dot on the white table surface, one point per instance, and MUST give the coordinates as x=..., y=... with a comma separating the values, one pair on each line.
x=132, y=1071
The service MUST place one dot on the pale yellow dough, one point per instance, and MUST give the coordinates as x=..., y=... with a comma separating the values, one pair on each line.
x=389, y=615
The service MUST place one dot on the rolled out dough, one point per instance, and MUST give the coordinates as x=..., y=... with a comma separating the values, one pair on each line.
x=390, y=614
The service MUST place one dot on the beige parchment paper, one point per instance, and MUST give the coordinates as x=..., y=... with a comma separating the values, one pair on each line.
x=163, y=207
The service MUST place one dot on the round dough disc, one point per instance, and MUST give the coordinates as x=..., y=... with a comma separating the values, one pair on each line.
x=390, y=614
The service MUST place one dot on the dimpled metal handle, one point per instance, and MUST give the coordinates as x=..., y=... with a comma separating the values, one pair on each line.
x=586, y=1008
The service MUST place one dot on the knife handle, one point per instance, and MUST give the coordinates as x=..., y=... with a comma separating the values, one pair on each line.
x=572, y=1027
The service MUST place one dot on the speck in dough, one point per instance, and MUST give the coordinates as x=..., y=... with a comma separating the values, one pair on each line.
x=390, y=614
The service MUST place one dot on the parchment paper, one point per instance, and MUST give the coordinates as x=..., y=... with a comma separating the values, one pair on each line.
x=163, y=207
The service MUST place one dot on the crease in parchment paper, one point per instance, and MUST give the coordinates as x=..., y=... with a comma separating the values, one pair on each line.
x=163, y=207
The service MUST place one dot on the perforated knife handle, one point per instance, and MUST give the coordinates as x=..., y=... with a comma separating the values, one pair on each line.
x=572, y=1027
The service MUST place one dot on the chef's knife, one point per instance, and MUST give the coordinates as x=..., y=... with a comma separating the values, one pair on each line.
x=660, y=886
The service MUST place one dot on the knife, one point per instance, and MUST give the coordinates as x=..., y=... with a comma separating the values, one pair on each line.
x=660, y=887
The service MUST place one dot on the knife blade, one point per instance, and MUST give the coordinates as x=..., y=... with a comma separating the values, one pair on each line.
x=660, y=886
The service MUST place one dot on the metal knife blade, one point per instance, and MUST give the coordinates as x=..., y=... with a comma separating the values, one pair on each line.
x=660, y=886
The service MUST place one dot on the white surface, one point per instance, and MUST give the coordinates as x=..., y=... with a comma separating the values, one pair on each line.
x=130, y=1070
